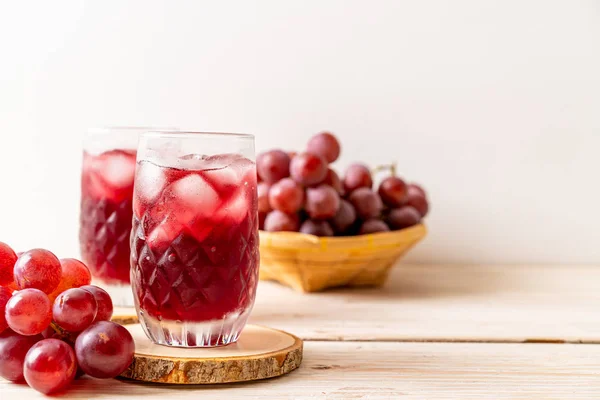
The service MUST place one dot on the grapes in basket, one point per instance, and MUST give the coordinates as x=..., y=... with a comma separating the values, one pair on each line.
x=302, y=192
x=54, y=325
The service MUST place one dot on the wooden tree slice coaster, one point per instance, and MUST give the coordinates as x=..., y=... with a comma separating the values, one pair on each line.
x=124, y=315
x=260, y=353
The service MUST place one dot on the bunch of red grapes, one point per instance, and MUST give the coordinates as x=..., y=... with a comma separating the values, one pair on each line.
x=54, y=325
x=302, y=193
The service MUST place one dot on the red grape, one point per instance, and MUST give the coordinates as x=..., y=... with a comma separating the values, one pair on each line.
x=286, y=195
x=417, y=188
x=417, y=200
x=308, y=169
x=5, y=295
x=13, y=348
x=317, y=228
x=373, y=226
x=74, y=274
x=277, y=221
x=8, y=258
x=74, y=309
x=273, y=165
x=103, y=300
x=393, y=191
x=322, y=202
x=357, y=176
x=332, y=179
x=38, y=269
x=104, y=350
x=29, y=312
x=263, y=197
x=403, y=217
x=50, y=366
x=325, y=145
x=344, y=218
x=366, y=202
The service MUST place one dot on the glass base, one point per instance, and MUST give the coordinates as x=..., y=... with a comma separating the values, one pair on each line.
x=121, y=294
x=194, y=334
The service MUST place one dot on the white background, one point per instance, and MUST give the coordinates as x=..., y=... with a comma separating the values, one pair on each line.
x=493, y=105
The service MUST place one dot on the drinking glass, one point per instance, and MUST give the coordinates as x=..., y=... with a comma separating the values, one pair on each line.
x=109, y=156
x=194, y=243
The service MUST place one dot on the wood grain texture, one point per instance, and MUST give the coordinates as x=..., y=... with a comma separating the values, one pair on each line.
x=445, y=303
x=374, y=371
x=260, y=353
x=124, y=315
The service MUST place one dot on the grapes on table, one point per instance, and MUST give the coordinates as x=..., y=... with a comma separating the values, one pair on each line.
x=38, y=269
x=74, y=274
x=308, y=169
x=50, y=366
x=28, y=312
x=104, y=350
x=5, y=295
x=286, y=196
x=38, y=336
x=74, y=309
x=13, y=349
x=103, y=301
x=325, y=145
x=8, y=258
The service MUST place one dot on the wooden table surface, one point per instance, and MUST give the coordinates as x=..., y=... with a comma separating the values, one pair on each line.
x=433, y=332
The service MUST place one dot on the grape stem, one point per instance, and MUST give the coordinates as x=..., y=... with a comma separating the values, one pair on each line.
x=386, y=167
x=64, y=335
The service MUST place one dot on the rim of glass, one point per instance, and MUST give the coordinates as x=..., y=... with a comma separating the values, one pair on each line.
x=130, y=128
x=189, y=134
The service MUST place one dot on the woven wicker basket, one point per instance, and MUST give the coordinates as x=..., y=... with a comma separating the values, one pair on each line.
x=309, y=264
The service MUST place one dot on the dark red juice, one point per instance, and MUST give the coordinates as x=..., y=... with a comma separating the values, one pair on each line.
x=106, y=214
x=195, y=240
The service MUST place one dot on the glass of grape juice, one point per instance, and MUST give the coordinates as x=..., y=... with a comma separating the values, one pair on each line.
x=109, y=157
x=194, y=243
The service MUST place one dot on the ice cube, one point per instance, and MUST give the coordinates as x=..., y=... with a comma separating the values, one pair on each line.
x=190, y=204
x=117, y=168
x=191, y=161
x=201, y=162
x=161, y=237
x=236, y=208
x=222, y=160
x=194, y=195
x=223, y=180
x=233, y=176
x=150, y=181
